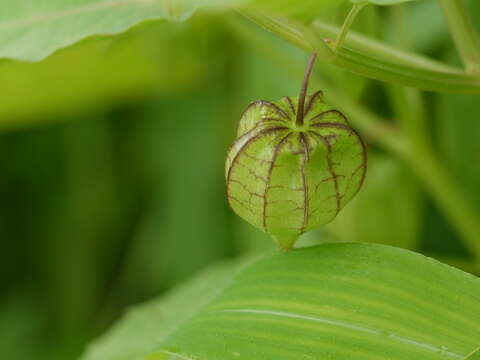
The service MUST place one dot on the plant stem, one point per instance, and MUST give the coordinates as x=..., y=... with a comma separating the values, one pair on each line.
x=347, y=24
x=463, y=33
x=378, y=49
x=303, y=90
x=370, y=58
x=291, y=31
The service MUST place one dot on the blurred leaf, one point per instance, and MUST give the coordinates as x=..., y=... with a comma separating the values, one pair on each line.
x=141, y=328
x=101, y=72
x=340, y=301
x=457, y=130
x=475, y=9
x=183, y=154
x=425, y=15
x=21, y=328
x=387, y=210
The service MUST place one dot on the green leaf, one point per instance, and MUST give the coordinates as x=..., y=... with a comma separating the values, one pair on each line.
x=335, y=301
x=32, y=30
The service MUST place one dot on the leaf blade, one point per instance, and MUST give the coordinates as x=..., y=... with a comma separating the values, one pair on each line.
x=300, y=305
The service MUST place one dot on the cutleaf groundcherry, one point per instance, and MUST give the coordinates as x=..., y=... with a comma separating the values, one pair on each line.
x=294, y=165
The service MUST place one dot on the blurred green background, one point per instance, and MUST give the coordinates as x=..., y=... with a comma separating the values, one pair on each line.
x=112, y=186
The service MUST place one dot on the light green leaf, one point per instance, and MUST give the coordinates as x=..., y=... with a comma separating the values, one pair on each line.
x=32, y=30
x=334, y=301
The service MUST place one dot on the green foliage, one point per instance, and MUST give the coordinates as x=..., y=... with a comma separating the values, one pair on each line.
x=119, y=196
x=342, y=301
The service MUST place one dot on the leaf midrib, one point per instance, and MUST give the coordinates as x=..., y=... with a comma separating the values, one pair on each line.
x=350, y=326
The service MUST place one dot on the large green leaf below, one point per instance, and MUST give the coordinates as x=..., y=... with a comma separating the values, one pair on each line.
x=334, y=301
